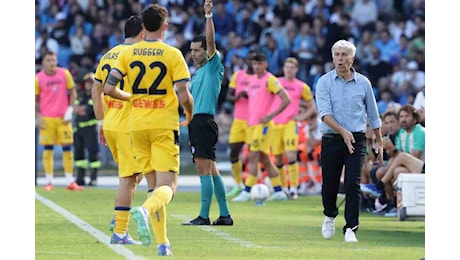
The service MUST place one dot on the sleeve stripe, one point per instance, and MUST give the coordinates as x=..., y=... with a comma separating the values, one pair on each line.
x=186, y=79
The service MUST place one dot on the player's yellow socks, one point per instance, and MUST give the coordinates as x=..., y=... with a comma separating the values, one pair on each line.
x=158, y=219
x=48, y=162
x=275, y=181
x=282, y=172
x=161, y=196
x=67, y=161
x=121, y=220
x=236, y=170
x=293, y=168
x=251, y=180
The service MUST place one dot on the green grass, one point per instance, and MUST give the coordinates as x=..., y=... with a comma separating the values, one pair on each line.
x=278, y=230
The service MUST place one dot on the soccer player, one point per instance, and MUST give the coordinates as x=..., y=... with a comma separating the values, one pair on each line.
x=85, y=134
x=203, y=130
x=285, y=134
x=238, y=95
x=55, y=96
x=262, y=92
x=113, y=118
x=152, y=69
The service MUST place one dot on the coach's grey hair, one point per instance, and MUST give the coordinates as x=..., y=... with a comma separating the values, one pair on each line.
x=350, y=47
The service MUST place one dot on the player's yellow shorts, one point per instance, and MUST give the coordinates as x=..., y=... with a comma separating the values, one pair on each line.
x=261, y=137
x=56, y=132
x=239, y=132
x=285, y=138
x=157, y=149
x=120, y=146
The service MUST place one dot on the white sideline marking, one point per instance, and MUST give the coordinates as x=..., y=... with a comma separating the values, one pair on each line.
x=119, y=249
x=224, y=235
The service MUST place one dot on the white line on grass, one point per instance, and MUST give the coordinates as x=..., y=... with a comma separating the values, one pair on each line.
x=119, y=249
x=224, y=235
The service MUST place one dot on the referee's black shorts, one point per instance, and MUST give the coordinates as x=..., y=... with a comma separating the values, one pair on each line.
x=203, y=133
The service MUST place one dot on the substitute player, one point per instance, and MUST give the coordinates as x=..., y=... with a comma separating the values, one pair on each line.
x=264, y=87
x=153, y=69
x=114, y=131
x=238, y=95
x=55, y=96
x=286, y=134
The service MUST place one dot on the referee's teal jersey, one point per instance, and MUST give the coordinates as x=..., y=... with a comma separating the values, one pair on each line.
x=206, y=84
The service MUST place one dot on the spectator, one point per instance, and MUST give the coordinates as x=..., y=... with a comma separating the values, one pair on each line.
x=99, y=40
x=282, y=9
x=321, y=10
x=247, y=28
x=236, y=47
x=44, y=41
x=335, y=32
x=79, y=20
x=276, y=30
x=417, y=44
x=419, y=105
x=377, y=68
x=387, y=46
x=290, y=30
x=386, y=100
x=304, y=48
x=364, y=48
x=415, y=76
x=275, y=54
x=120, y=12
x=223, y=22
x=364, y=14
x=80, y=43
x=411, y=138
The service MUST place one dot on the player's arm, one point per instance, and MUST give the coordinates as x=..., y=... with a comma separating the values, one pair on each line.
x=310, y=112
x=230, y=96
x=110, y=86
x=72, y=97
x=185, y=99
x=274, y=86
x=97, y=93
x=210, y=31
x=285, y=100
x=37, y=98
x=71, y=108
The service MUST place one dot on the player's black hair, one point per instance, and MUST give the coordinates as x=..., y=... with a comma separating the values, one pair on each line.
x=202, y=39
x=259, y=57
x=133, y=26
x=154, y=16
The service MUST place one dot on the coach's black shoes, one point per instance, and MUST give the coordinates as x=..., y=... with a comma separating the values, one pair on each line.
x=223, y=221
x=199, y=221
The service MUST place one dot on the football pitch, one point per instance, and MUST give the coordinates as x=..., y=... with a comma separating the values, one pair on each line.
x=75, y=225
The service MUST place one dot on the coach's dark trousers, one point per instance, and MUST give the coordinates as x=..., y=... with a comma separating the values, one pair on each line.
x=334, y=156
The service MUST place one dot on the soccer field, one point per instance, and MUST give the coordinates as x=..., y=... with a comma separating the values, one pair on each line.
x=74, y=225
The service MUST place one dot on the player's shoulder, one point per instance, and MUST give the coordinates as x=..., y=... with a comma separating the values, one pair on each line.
x=271, y=77
x=62, y=70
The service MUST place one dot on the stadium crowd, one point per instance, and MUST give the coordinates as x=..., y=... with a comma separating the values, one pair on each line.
x=389, y=35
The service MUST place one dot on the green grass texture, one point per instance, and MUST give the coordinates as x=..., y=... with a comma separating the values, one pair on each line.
x=277, y=230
